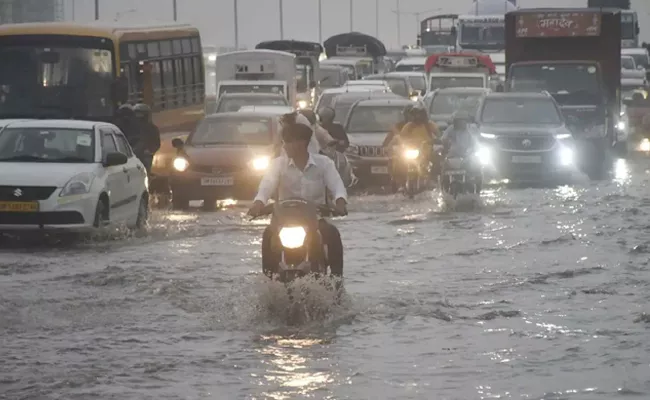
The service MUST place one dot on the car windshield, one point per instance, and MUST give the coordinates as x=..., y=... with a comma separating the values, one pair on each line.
x=374, y=119
x=449, y=103
x=330, y=78
x=53, y=80
x=628, y=30
x=520, y=111
x=482, y=34
x=627, y=63
x=441, y=82
x=640, y=59
x=251, y=89
x=235, y=103
x=326, y=100
x=418, y=83
x=233, y=130
x=349, y=69
x=398, y=86
x=54, y=145
x=574, y=82
x=342, y=108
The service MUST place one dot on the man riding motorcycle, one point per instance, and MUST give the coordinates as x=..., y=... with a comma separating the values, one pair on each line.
x=149, y=141
x=336, y=130
x=406, y=118
x=301, y=174
x=458, y=142
x=125, y=120
x=419, y=133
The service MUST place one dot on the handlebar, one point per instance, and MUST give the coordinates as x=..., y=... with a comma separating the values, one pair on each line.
x=323, y=211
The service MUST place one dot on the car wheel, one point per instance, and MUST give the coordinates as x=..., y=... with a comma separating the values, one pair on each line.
x=100, y=214
x=143, y=212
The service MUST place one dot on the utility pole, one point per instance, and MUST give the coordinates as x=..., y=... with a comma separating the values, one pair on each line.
x=175, y=10
x=351, y=16
x=377, y=19
x=399, y=28
x=96, y=10
x=74, y=9
x=236, y=26
x=320, y=21
x=281, y=20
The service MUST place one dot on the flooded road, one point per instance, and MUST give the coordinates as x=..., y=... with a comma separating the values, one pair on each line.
x=541, y=294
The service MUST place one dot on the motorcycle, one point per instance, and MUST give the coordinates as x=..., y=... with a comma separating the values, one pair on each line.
x=457, y=178
x=297, y=238
x=417, y=170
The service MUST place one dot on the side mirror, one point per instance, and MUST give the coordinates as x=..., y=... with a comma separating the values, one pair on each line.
x=177, y=143
x=115, y=159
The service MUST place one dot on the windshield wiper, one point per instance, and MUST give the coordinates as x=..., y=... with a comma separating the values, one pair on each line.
x=24, y=157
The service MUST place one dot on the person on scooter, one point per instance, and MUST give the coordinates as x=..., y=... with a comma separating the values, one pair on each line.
x=458, y=141
x=305, y=175
x=336, y=130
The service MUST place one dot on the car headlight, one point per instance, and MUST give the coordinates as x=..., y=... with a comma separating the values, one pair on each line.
x=621, y=125
x=483, y=155
x=566, y=156
x=411, y=154
x=488, y=135
x=79, y=184
x=181, y=164
x=261, y=163
x=292, y=237
x=415, y=98
x=645, y=145
x=302, y=104
x=563, y=136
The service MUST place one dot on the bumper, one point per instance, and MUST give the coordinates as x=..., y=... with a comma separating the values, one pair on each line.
x=529, y=166
x=193, y=186
x=73, y=214
x=371, y=169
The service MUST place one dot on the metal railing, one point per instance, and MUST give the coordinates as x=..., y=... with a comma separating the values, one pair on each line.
x=172, y=98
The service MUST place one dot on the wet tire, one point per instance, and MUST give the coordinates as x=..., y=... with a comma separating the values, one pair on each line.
x=143, y=213
x=100, y=215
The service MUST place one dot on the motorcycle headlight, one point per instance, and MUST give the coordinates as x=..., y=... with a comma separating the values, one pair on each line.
x=483, y=155
x=411, y=154
x=261, y=163
x=415, y=98
x=645, y=145
x=181, y=164
x=292, y=237
x=488, y=135
x=621, y=125
x=566, y=156
x=79, y=184
x=563, y=136
x=302, y=104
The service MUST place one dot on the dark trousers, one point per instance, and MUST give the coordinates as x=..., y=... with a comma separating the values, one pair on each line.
x=147, y=160
x=331, y=237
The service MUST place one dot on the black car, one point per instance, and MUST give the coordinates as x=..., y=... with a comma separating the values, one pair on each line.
x=523, y=137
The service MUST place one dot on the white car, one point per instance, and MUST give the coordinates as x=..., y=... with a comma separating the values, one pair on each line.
x=70, y=176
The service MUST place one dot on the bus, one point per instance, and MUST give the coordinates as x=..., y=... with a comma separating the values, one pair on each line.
x=61, y=70
x=481, y=32
x=438, y=30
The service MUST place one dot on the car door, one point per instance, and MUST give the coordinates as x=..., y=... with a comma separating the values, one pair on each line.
x=136, y=173
x=116, y=177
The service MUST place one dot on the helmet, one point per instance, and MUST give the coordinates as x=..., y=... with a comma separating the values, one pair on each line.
x=309, y=114
x=327, y=114
x=125, y=110
x=461, y=116
x=142, y=110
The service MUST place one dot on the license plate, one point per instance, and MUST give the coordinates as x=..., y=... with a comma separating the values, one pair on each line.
x=221, y=181
x=18, y=206
x=527, y=159
x=379, y=170
x=455, y=172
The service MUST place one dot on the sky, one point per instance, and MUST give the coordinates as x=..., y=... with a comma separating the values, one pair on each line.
x=259, y=20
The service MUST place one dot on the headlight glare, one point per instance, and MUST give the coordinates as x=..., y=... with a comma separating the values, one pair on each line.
x=302, y=104
x=411, y=154
x=483, y=155
x=563, y=136
x=488, y=135
x=621, y=125
x=292, y=237
x=261, y=163
x=645, y=145
x=181, y=164
x=566, y=156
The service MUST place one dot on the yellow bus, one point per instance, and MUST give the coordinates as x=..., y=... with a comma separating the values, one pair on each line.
x=79, y=71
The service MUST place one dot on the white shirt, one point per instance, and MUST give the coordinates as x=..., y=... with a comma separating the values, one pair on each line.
x=319, y=174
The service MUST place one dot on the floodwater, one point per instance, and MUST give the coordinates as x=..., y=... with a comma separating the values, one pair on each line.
x=539, y=294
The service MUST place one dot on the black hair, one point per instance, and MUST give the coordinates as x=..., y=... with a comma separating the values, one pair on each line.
x=292, y=130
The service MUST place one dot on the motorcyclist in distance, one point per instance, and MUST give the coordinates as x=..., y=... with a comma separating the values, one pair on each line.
x=406, y=118
x=459, y=142
x=149, y=142
x=301, y=174
x=336, y=130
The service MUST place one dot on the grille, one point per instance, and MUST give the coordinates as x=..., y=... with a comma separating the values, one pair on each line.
x=527, y=143
x=26, y=193
x=41, y=218
x=372, y=151
x=209, y=169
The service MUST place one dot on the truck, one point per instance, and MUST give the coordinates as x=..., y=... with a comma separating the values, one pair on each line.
x=257, y=71
x=629, y=20
x=575, y=55
x=481, y=32
x=307, y=67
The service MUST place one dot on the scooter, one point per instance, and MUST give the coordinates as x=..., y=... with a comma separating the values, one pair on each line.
x=457, y=180
x=417, y=171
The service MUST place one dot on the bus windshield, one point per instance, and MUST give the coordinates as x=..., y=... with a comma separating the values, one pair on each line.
x=54, y=80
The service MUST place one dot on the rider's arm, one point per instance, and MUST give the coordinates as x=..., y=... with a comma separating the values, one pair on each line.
x=434, y=130
x=324, y=138
x=333, y=180
x=270, y=181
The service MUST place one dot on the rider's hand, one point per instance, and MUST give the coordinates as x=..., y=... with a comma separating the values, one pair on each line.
x=256, y=209
x=341, y=207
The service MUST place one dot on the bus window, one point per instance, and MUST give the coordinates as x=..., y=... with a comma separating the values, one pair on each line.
x=166, y=48
x=168, y=82
x=199, y=89
x=188, y=88
x=156, y=85
x=178, y=74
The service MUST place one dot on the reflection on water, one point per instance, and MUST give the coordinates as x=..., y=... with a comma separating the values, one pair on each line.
x=288, y=370
x=622, y=174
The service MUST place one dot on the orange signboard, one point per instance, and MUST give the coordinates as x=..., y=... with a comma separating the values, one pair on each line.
x=558, y=24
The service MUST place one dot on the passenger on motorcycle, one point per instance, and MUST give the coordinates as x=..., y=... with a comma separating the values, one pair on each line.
x=419, y=133
x=314, y=147
x=458, y=142
x=336, y=130
x=305, y=175
x=323, y=137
